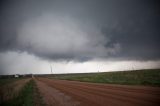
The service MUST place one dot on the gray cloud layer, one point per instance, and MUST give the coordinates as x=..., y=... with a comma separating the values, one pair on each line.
x=81, y=30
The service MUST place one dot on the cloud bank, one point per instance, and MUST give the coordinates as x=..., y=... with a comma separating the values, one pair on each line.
x=24, y=63
x=78, y=31
x=62, y=37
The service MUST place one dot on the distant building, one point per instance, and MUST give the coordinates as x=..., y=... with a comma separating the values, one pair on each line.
x=16, y=75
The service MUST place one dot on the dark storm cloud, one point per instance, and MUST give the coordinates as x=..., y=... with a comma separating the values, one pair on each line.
x=137, y=31
x=81, y=30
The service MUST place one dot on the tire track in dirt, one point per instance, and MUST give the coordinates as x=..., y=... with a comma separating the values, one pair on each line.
x=106, y=94
x=53, y=97
x=117, y=93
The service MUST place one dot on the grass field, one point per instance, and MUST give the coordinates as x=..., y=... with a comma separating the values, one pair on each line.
x=28, y=93
x=28, y=96
x=150, y=77
x=8, y=80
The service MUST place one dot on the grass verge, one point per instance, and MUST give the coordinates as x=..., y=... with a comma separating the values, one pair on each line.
x=8, y=80
x=150, y=77
x=26, y=96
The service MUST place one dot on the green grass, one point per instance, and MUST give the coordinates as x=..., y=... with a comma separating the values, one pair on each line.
x=26, y=97
x=150, y=77
x=8, y=80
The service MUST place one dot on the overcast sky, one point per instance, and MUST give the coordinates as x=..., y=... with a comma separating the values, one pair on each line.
x=78, y=35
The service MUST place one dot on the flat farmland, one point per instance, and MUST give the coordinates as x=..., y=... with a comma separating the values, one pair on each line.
x=130, y=88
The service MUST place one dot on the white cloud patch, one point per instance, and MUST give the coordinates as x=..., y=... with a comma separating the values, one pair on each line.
x=21, y=62
x=24, y=63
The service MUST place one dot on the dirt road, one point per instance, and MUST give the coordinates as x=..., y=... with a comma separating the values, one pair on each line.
x=73, y=93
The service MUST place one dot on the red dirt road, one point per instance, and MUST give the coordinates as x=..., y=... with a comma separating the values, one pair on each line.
x=73, y=93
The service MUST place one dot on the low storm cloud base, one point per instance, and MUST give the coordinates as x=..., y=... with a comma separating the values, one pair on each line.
x=24, y=63
x=72, y=34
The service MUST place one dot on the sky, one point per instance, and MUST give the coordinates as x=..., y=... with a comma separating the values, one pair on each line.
x=77, y=36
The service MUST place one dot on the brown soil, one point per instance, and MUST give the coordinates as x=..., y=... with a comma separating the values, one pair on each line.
x=53, y=97
x=74, y=93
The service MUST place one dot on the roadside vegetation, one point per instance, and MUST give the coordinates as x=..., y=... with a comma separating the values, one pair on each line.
x=149, y=77
x=28, y=96
x=8, y=80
